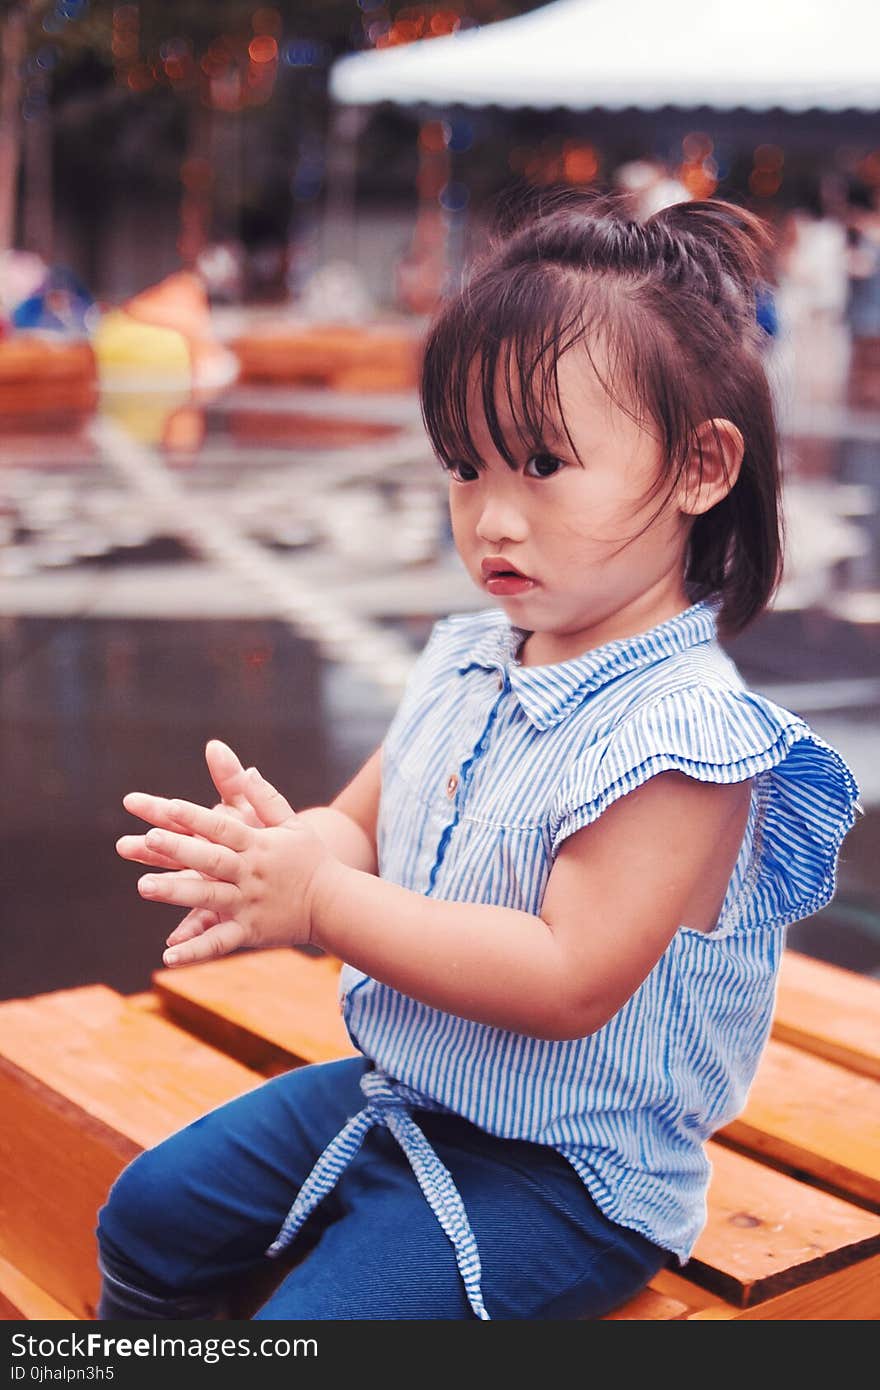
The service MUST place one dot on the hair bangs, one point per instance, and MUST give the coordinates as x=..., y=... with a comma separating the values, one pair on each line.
x=492, y=357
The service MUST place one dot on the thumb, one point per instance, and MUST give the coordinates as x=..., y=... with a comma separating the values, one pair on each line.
x=267, y=801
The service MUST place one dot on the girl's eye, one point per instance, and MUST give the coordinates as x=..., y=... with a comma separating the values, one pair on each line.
x=542, y=466
x=460, y=471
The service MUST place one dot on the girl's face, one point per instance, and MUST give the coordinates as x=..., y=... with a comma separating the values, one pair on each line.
x=569, y=522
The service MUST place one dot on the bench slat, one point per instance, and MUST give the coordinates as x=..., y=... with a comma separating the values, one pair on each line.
x=833, y=1012
x=766, y=1232
x=270, y=1009
x=695, y=1299
x=848, y=1295
x=816, y=1117
x=649, y=1306
x=21, y=1298
x=87, y=1084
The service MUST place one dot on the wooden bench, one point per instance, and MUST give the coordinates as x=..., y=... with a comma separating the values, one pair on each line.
x=88, y=1078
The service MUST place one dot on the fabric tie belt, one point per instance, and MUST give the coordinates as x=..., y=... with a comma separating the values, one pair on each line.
x=385, y=1106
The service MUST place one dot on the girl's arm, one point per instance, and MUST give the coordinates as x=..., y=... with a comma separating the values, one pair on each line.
x=658, y=858
x=348, y=825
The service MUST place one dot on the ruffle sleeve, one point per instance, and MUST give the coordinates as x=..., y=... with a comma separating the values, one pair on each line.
x=804, y=802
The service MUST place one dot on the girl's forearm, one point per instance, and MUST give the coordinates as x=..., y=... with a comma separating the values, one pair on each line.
x=342, y=836
x=491, y=964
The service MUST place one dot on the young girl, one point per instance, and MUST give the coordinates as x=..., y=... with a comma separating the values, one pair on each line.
x=561, y=885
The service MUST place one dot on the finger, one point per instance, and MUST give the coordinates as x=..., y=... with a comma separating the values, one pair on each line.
x=193, y=924
x=217, y=941
x=217, y=826
x=242, y=810
x=227, y=773
x=203, y=855
x=184, y=890
x=267, y=801
x=155, y=809
x=134, y=848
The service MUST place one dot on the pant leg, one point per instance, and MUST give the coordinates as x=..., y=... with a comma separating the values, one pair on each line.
x=547, y=1251
x=188, y=1217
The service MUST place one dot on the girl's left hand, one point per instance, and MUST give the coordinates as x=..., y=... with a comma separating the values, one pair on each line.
x=261, y=883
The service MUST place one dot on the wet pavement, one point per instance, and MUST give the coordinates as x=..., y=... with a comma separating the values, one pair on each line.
x=270, y=585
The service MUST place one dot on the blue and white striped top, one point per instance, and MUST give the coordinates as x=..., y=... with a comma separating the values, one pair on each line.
x=487, y=767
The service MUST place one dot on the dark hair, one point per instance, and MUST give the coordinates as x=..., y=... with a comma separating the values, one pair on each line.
x=672, y=300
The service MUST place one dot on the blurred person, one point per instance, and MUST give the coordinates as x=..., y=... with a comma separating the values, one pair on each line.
x=811, y=298
x=561, y=885
x=863, y=302
x=650, y=186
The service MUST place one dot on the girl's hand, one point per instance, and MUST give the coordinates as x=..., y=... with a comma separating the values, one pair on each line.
x=230, y=779
x=260, y=883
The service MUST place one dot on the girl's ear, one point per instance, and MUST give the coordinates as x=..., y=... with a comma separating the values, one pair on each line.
x=712, y=466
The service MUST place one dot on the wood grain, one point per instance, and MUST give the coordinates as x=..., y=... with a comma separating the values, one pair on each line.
x=832, y=1012
x=270, y=1009
x=816, y=1117
x=20, y=1298
x=86, y=1083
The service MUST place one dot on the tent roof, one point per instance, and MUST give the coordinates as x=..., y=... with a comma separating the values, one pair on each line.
x=757, y=54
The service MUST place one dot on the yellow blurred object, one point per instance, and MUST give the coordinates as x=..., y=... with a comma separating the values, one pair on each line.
x=158, y=362
x=127, y=349
x=145, y=415
x=180, y=302
x=163, y=335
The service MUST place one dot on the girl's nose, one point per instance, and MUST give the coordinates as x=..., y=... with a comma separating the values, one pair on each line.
x=501, y=520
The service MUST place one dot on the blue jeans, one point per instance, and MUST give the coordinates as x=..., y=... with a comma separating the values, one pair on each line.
x=187, y=1223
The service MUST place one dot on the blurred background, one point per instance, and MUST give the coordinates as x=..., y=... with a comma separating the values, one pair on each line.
x=223, y=228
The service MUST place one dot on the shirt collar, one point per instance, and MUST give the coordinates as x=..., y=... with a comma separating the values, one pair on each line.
x=548, y=693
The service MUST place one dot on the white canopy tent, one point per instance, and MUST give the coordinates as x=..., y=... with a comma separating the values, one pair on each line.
x=759, y=55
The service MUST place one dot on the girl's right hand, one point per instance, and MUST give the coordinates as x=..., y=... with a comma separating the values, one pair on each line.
x=229, y=777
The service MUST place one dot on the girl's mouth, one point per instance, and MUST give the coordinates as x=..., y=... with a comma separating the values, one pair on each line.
x=504, y=579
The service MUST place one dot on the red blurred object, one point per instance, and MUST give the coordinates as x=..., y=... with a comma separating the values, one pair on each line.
x=304, y=431
x=343, y=357
x=46, y=384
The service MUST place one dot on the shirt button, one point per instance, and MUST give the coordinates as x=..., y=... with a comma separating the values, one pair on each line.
x=500, y=681
x=451, y=785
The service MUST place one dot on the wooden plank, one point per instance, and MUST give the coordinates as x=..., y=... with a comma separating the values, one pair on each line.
x=648, y=1306
x=21, y=1298
x=270, y=1009
x=86, y=1083
x=767, y=1233
x=832, y=1012
x=815, y=1117
x=140, y=1075
x=694, y=1298
x=147, y=1001
x=849, y=1295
